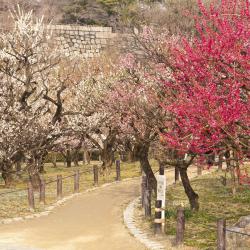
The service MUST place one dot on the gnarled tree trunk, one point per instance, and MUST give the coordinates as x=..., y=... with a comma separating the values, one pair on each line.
x=192, y=196
x=142, y=154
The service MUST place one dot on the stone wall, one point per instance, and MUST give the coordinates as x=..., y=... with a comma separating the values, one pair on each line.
x=86, y=40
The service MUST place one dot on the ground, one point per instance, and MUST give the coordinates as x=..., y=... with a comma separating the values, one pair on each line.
x=216, y=201
x=16, y=204
x=89, y=221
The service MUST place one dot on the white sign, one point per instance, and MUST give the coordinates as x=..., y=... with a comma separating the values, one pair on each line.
x=161, y=188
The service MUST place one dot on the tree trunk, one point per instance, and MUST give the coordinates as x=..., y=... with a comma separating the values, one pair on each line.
x=86, y=156
x=192, y=196
x=75, y=156
x=7, y=173
x=18, y=166
x=107, y=157
x=33, y=172
x=142, y=154
x=68, y=158
x=8, y=178
x=54, y=160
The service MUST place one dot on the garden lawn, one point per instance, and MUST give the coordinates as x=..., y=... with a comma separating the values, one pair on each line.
x=216, y=201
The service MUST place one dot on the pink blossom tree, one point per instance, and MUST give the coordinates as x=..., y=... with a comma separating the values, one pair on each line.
x=207, y=96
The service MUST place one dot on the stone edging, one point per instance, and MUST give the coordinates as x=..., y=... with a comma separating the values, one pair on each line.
x=128, y=216
x=59, y=203
x=129, y=221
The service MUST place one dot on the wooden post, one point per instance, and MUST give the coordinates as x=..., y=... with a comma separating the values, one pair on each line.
x=31, y=198
x=161, y=169
x=95, y=171
x=199, y=170
x=143, y=189
x=162, y=196
x=158, y=220
x=180, y=226
x=59, y=186
x=76, y=181
x=118, y=170
x=176, y=174
x=221, y=234
x=42, y=191
x=147, y=202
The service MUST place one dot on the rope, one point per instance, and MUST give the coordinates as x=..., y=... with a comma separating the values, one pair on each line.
x=232, y=231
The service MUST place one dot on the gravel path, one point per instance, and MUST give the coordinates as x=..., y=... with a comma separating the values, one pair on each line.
x=91, y=221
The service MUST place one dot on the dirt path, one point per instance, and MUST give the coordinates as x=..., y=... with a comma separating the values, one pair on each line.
x=91, y=221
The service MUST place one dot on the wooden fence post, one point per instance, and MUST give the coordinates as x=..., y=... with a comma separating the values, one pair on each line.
x=180, y=226
x=147, y=202
x=76, y=181
x=42, y=191
x=59, y=186
x=176, y=174
x=95, y=171
x=221, y=234
x=158, y=220
x=31, y=198
x=199, y=170
x=118, y=170
x=143, y=188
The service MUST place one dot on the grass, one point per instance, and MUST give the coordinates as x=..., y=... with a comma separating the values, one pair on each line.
x=16, y=204
x=216, y=201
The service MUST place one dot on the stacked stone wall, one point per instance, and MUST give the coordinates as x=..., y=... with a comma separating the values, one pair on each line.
x=86, y=40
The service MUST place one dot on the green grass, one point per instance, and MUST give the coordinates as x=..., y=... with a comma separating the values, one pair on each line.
x=216, y=201
x=15, y=204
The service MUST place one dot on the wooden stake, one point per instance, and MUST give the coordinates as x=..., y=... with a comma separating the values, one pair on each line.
x=180, y=226
x=221, y=234
x=158, y=220
x=95, y=171
x=76, y=181
x=59, y=186
x=118, y=170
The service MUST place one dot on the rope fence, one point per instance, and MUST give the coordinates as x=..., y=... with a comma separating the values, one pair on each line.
x=30, y=199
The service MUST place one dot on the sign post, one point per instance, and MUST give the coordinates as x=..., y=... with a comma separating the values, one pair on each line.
x=160, y=202
x=161, y=194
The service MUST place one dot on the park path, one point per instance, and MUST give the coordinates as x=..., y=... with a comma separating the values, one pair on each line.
x=91, y=221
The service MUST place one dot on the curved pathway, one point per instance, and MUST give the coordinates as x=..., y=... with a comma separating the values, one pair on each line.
x=91, y=221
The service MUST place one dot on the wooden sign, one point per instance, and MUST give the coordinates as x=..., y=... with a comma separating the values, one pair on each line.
x=161, y=188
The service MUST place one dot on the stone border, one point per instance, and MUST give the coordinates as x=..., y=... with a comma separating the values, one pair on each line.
x=128, y=216
x=129, y=221
x=59, y=203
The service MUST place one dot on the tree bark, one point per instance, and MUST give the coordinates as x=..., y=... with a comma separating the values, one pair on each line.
x=8, y=179
x=86, y=156
x=33, y=172
x=75, y=156
x=54, y=159
x=142, y=154
x=68, y=158
x=192, y=196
